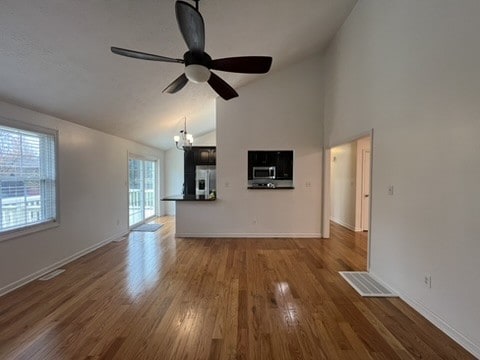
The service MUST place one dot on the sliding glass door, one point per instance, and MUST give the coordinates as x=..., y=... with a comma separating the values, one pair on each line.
x=149, y=189
x=141, y=190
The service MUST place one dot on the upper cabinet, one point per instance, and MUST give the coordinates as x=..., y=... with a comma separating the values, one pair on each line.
x=282, y=160
x=199, y=155
x=205, y=156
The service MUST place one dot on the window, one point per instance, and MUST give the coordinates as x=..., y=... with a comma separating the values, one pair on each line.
x=27, y=178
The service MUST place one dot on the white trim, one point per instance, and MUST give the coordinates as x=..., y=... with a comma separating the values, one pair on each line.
x=18, y=124
x=351, y=139
x=29, y=278
x=51, y=275
x=436, y=320
x=326, y=192
x=28, y=230
x=326, y=201
x=344, y=224
x=142, y=158
x=370, y=200
x=249, y=235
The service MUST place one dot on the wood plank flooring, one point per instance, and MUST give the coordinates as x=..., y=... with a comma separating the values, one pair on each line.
x=156, y=297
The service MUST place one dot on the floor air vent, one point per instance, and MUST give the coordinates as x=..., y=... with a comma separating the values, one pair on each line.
x=51, y=275
x=366, y=285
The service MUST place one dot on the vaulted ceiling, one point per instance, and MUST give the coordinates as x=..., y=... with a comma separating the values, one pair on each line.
x=55, y=57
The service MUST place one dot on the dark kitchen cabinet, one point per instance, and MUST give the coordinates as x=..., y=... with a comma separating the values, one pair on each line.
x=197, y=155
x=189, y=161
x=281, y=160
x=284, y=166
x=205, y=156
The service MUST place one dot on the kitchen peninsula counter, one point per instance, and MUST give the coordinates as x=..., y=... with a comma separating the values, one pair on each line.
x=187, y=198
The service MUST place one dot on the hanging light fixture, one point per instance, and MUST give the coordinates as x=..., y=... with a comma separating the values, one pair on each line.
x=184, y=141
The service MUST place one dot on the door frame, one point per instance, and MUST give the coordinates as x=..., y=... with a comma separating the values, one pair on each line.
x=326, y=198
x=359, y=188
x=131, y=155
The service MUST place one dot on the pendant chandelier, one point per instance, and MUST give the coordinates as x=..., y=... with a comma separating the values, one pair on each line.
x=184, y=141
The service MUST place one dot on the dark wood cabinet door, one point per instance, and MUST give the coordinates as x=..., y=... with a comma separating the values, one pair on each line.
x=282, y=160
x=189, y=184
x=205, y=156
x=212, y=156
x=189, y=162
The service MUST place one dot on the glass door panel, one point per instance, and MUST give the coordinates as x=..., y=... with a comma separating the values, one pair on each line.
x=141, y=190
x=135, y=191
x=149, y=189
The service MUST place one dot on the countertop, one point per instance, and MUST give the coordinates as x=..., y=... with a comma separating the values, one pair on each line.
x=270, y=188
x=187, y=198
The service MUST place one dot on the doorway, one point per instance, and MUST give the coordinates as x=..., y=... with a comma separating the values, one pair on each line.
x=142, y=190
x=347, y=189
x=362, y=187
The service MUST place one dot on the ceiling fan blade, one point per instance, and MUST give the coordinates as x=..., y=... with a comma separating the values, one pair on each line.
x=221, y=87
x=243, y=64
x=143, y=56
x=176, y=85
x=191, y=26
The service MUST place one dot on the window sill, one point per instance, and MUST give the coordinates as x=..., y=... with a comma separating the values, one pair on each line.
x=15, y=233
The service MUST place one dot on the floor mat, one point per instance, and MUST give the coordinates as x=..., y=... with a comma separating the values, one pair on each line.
x=148, y=227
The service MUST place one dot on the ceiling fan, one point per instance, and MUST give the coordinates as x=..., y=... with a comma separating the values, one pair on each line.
x=198, y=64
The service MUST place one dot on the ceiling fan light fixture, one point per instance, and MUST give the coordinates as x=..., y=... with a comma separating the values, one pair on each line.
x=197, y=73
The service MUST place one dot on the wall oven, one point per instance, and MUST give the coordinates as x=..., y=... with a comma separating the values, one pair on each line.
x=264, y=172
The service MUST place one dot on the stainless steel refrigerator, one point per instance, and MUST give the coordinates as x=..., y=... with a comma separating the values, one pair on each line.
x=205, y=180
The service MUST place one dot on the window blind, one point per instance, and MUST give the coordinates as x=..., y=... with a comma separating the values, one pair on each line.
x=27, y=178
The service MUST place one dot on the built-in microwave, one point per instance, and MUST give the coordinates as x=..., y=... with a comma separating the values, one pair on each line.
x=264, y=172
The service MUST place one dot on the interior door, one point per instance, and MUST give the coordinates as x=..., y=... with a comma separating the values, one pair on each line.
x=365, y=189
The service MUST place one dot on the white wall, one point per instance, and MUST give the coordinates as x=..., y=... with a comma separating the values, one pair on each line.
x=93, y=197
x=208, y=139
x=281, y=111
x=174, y=168
x=173, y=177
x=343, y=184
x=410, y=70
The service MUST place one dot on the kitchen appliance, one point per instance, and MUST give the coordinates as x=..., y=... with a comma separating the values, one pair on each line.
x=264, y=172
x=205, y=180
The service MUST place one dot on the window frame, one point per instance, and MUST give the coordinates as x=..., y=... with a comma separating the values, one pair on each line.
x=49, y=224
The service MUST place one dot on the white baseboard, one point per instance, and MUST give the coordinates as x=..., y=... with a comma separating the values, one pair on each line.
x=344, y=224
x=437, y=320
x=249, y=235
x=25, y=280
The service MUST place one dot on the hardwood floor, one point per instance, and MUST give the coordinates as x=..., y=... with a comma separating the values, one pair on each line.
x=156, y=297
